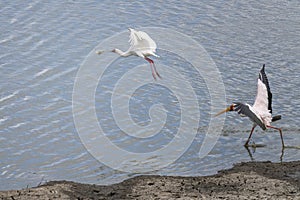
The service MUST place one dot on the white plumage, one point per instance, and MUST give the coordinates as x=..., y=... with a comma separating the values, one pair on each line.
x=260, y=106
x=142, y=45
x=140, y=42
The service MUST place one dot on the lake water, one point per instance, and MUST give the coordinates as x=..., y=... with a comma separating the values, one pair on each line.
x=44, y=44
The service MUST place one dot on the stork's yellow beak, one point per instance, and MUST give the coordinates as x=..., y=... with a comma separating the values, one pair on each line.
x=230, y=108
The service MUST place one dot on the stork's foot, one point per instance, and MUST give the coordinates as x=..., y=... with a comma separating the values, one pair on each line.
x=247, y=144
x=154, y=76
x=158, y=75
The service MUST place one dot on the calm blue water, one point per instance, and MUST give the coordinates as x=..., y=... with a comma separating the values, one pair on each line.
x=43, y=45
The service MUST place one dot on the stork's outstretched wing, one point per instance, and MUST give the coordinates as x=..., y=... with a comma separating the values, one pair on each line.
x=263, y=77
x=141, y=41
x=245, y=109
x=263, y=98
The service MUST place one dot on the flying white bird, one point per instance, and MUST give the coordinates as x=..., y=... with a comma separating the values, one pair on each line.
x=261, y=111
x=142, y=45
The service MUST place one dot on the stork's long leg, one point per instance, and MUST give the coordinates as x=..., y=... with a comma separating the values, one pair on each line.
x=246, y=144
x=156, y=70
x=279, y=129
x=153, y=68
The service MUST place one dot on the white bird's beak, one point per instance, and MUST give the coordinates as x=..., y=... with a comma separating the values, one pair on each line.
x=99, y=52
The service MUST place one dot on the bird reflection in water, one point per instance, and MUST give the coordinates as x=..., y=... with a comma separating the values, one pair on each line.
x=252, y=147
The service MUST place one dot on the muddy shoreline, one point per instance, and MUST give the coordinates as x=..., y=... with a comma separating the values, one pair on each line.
x=251, y=180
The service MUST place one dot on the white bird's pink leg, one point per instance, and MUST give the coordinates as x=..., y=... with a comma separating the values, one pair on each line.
x=153, y=68
x=279, y=129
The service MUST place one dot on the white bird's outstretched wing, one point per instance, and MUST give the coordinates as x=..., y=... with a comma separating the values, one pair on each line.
x=141, y=42
x=263, y=98
x=263, y=77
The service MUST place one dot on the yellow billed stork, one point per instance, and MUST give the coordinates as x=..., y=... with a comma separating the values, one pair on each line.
x=261, y=111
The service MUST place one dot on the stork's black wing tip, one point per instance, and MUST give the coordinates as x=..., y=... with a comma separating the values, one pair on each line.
x=263, y=68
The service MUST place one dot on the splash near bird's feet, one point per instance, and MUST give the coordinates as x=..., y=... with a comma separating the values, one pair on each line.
x=254, y=145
